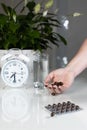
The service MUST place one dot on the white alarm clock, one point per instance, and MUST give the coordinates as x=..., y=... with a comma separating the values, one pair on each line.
x=14, y=72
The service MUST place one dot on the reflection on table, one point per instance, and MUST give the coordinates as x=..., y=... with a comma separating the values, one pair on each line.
x=25, y=108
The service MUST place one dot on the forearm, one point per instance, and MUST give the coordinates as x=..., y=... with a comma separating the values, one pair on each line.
x=79, y=62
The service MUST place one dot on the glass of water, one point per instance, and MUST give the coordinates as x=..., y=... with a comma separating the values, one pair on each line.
x=40, y=68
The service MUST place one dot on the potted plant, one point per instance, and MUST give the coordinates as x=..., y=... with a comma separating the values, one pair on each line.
x=30, y=29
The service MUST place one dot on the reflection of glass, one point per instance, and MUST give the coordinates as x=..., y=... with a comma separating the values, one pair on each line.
x=65, y=22
x=41, y=68
x=62, y=61
x=14, y=104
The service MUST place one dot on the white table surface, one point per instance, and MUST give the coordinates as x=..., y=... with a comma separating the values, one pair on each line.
x=24, y=109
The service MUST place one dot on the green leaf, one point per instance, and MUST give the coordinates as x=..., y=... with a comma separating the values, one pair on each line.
x=5, y=8
x=3, y=19
x=62, y=39
x=30, y=5
x=13, y=26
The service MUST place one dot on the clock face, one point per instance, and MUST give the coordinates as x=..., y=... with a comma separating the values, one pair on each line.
x=14, y=73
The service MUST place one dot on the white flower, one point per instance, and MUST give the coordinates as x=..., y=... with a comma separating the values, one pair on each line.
x=76, y=14
x=49, y=4
x=37, y=8
x=25, y=2
x=45, y=13
x=14, y=17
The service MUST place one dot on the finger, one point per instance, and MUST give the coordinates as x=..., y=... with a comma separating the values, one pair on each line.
x=61, y=88
x=57, y=89
x=49, y=78
x=53, y=89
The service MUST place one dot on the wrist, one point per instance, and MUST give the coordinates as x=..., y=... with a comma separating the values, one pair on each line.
x=76, y=69
x=71, y=70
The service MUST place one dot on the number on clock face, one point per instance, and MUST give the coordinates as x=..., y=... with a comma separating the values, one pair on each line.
x=14, y=73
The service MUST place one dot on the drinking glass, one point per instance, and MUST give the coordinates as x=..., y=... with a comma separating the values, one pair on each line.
x=41, y=69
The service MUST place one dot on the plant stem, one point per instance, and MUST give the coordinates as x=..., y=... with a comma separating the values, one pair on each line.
x=18, y=4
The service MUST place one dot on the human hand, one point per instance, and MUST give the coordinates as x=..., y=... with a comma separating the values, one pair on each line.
x=59, y=80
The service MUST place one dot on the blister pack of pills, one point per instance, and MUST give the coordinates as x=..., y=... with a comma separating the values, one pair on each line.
x=61, y=108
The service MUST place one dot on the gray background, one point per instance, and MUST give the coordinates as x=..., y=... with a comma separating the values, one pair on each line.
x=75, y=34
x=77, y=31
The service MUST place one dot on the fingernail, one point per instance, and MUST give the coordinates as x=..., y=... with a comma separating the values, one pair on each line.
x=53, y=94
x=54, y=88
x=45, y=85
x=60, y=83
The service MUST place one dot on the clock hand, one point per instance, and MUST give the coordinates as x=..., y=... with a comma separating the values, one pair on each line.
x=14, y=76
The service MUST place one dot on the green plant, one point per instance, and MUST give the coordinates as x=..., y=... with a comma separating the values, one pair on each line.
x=31, y=30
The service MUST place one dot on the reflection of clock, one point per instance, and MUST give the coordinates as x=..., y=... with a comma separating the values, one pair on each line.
x=15, y=104
x=14, y=73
